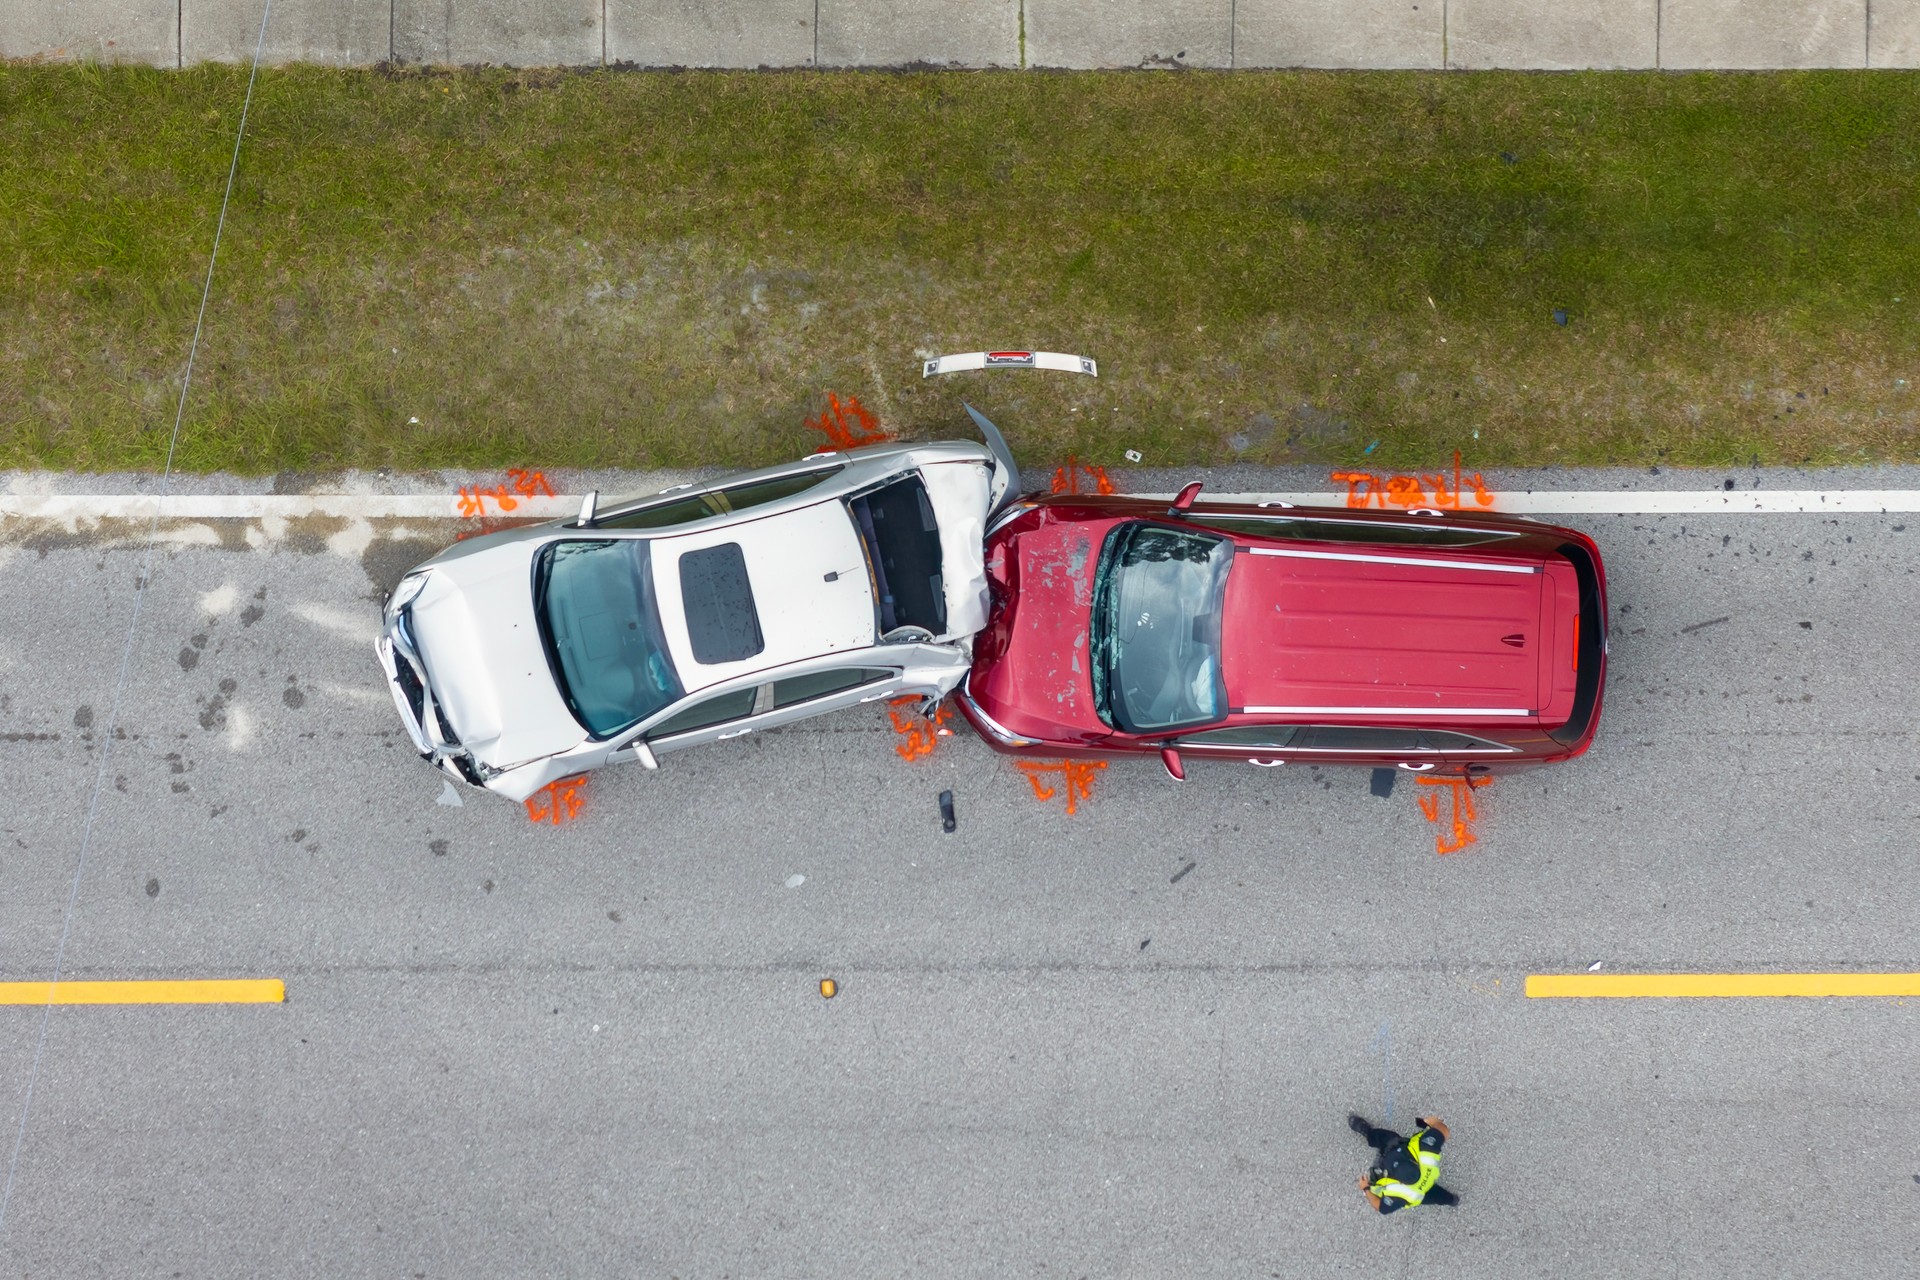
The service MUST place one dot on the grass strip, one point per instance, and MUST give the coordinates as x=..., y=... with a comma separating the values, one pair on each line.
x=490, y=268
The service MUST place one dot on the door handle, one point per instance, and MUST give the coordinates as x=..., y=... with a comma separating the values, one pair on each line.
x=1266, y=764
x=737, y=733
x=1419, y=768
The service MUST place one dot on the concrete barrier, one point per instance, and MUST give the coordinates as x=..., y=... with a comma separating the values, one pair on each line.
x=1165, y=33
x=1559, y=35
x=93, y=30
x=343, y=33
x=711, y=33
x=940, y=33
x=1390, y=35
x=1383, y=34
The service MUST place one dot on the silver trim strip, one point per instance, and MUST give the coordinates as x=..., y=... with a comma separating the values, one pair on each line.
x=1413, y=560
x=1387, y=711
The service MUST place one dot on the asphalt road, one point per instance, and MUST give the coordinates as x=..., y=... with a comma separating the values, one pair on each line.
x=598, y=1049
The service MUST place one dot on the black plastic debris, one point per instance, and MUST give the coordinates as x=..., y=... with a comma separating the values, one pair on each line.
x=1560, y=316
x=947, y=822
x=1382, y=784
x=1509, y=157
x=1181, y=874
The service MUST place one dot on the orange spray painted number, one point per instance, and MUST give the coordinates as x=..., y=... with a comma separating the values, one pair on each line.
x=558, y=802
x=1076, y=477
x=526, y=484
x=849, y=425
x=1458, y=830
x=921, y=732
x=1076, y=775
x=1443, y=492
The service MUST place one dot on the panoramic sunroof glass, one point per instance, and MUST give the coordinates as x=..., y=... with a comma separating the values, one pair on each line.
x=722, y=625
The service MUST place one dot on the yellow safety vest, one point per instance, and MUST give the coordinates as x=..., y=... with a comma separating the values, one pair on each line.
x=1429, y=1162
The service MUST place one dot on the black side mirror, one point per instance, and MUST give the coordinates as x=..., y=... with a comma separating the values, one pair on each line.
x=1185, y=499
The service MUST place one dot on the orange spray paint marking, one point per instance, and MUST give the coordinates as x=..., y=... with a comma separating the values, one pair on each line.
x=1460, y=820
x=529, y=484
x=863, y=429
x=562, y=803
x=921, y=732
x=473, y=499
x=1077, y=775
x=1074, y=477
x=1448, y=493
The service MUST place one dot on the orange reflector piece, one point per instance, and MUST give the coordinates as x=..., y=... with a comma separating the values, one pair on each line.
x=829, y=988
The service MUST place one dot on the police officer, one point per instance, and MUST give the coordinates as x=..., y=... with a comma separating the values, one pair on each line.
x=1407, y=1170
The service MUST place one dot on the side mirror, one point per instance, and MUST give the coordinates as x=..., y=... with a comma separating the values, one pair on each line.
x=588, y=505
x=644, y=754
x=1185, y=499
x=1171, y=758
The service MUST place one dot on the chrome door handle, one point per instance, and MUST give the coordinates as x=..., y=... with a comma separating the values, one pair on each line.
x=737, y=733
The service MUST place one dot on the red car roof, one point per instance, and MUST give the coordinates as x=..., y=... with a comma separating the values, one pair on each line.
x=1381, y=630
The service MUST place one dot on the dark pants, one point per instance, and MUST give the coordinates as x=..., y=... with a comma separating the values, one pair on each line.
x=1385, y=1140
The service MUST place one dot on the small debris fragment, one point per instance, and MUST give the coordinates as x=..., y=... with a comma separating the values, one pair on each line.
x=1595, y=966
x=153, y=886
x=1181, y=874
x=413, y=422
x=1560, y=316
x=1373, y=446
x=947, y=822
x=1145, y=941
x=448, y=795
x=1133, y=455
x=829, y=988
x=1710, y=622
x=795, y=880
x=1382, y=784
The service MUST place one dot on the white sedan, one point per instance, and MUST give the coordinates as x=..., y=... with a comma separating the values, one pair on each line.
x=700, y=613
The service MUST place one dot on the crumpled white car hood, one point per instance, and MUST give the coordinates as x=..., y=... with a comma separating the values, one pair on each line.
x=959, y=493
x=475, y=629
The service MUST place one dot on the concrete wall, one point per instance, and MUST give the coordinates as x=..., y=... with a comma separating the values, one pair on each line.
x=1432, y=34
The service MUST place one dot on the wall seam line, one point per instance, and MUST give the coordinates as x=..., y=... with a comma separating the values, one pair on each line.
x=816, y=35
x=1658, y=8
x=1233, y=29
x=1866, y=40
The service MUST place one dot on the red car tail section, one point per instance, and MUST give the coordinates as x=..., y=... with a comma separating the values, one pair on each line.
x=1330, y=629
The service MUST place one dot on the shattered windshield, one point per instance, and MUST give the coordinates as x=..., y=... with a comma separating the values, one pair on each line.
x=1158, y=595
x=601, y=628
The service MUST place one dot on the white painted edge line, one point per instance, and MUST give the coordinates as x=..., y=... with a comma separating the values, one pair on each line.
x=422, y=506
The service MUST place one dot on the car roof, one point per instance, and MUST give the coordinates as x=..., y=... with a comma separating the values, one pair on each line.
x=789, y=558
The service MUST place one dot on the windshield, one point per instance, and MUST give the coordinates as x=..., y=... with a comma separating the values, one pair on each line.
x=601, y=628
x=1157, y=600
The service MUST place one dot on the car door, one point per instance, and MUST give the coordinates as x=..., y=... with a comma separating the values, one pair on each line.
x=1263, y=745
x=706, y=717
x=1402, y=746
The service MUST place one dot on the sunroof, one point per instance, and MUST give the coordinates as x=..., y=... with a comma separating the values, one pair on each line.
x=722, y=625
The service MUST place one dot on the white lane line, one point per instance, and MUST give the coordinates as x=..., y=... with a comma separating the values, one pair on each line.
x=431, y=506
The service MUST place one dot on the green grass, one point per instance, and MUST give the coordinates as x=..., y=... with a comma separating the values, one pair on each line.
x=661, y=269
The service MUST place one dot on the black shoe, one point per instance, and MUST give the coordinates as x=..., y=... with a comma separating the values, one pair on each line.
x=1359, y=1126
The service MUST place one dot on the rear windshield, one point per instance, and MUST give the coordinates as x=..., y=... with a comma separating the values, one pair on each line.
x=1158, y=595
x=902, y=541
x=601, y=627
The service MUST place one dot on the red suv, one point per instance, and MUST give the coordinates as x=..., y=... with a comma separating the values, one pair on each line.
x=1451, y=642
